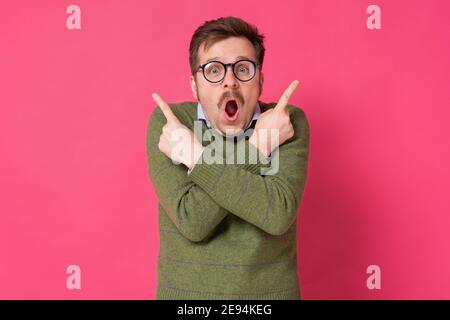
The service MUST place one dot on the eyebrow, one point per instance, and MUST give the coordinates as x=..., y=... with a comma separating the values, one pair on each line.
x=237, y=59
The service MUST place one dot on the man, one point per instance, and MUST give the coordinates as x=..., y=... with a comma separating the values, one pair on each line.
x=228, y=228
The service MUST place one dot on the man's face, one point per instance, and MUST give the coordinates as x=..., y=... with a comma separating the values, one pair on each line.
x=229, y=104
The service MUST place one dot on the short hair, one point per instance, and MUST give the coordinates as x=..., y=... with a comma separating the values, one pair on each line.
x=214, y=31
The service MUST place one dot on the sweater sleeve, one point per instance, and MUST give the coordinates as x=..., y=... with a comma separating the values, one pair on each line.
x=269, y=201
x=189, y=207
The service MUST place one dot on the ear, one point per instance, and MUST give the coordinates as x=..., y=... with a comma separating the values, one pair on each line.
x=261, y=83
x=194, y=87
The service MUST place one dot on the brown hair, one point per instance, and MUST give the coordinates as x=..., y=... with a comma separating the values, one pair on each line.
x=214, y=31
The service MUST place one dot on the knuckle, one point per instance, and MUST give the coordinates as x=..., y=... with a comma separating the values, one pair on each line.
x=291, y=131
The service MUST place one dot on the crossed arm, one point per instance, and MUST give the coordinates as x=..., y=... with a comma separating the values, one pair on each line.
x=198, y=202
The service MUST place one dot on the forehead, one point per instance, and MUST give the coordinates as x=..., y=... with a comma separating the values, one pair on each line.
x=227, y=50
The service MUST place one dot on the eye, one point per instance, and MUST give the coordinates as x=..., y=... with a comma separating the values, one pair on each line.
x=243, y=68
x=213, y=70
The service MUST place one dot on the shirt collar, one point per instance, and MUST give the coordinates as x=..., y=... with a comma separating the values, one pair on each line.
x=202, y=116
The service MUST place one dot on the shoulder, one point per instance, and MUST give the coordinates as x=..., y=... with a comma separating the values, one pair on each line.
x=184, y=111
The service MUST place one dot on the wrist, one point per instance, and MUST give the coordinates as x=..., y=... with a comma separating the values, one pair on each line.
x=196, y=154
x=260, y=144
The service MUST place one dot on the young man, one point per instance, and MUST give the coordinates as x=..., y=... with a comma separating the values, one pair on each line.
x=227, y=213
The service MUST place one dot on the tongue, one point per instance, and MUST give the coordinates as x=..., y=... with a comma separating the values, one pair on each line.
x=231, y=108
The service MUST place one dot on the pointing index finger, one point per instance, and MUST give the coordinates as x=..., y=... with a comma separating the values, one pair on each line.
x=164, y=108
x=282, y=103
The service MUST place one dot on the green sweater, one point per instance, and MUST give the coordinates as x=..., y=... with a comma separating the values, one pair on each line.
x=227, y=231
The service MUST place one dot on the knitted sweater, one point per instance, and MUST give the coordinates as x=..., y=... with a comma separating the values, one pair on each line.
x=227, y=230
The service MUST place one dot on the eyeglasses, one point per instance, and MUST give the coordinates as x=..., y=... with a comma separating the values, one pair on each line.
x=215, y=71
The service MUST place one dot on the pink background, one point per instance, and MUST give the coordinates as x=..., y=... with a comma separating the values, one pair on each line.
x=74, y=107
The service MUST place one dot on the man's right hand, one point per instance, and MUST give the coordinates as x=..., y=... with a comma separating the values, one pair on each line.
x=274, y=121
x=177, y=141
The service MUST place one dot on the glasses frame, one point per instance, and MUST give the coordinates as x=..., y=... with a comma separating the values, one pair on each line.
x=226, y=65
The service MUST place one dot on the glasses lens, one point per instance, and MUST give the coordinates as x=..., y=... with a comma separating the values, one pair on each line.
x=244, y=70
x=214, y=71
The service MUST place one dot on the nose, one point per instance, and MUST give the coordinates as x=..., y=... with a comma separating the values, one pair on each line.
x=230, y=81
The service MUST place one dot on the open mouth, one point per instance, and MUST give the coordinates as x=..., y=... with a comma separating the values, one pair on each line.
x=231, y=110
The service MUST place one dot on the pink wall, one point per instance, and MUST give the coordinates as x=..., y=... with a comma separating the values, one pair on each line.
x=74, y=106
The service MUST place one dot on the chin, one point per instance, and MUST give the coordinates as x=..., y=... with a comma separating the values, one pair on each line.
x=232, y=131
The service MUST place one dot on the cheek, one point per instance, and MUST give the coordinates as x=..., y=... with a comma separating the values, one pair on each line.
x=208, y=94
x=251, y=93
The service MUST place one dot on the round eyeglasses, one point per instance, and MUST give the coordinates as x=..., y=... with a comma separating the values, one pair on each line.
x=215, y=71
